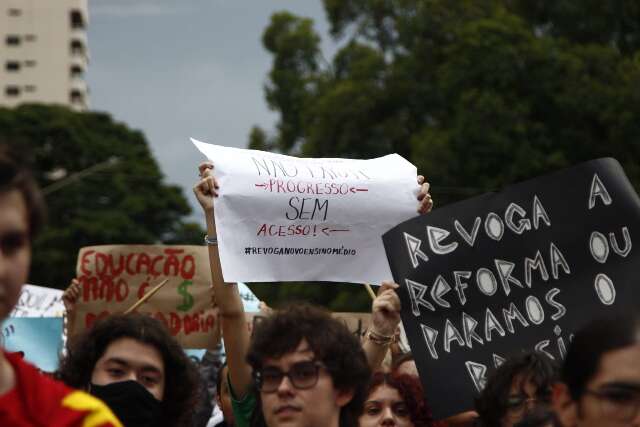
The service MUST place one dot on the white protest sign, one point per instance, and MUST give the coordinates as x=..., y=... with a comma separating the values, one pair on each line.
x=282, y=218
x=38, y=301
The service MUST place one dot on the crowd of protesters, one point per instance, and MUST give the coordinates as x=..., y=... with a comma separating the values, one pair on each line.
x=298, y=367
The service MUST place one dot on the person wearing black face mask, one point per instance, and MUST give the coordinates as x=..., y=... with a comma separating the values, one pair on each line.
x=137, y=368
x=133, y=404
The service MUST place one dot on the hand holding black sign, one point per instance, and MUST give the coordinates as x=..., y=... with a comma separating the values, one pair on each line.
x=521, y=269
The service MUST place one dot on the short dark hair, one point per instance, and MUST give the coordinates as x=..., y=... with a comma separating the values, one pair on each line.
x=329, y=339
x=15, y=176
x=410, y=390
x=591, y=343
x=181, y=377
x=533, y=366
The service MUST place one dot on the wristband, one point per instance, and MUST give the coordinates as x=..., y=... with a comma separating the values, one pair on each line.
x=379, y=339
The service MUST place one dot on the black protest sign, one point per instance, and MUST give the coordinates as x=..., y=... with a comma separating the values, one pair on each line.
x=517, y=270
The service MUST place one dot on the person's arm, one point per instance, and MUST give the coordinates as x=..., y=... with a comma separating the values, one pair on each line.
x=385, y=318
x=233, y=322
x=385, y=310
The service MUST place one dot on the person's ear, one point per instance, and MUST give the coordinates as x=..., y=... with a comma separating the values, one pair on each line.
x=343, y=397
x=565, y=408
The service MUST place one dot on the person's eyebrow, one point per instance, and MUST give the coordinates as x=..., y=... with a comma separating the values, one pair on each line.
x=117, y=360
x=621, y=385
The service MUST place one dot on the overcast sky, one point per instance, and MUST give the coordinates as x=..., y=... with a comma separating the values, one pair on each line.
x=176, y=69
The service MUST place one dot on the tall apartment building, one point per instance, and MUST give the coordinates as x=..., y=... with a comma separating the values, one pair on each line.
x=43, y=52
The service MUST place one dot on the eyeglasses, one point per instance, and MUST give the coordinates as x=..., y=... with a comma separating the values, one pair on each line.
x=303, y=375
x=517, y=405
x=619, y=403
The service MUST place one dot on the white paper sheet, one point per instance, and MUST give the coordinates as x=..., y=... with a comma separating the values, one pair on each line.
x=282, y=218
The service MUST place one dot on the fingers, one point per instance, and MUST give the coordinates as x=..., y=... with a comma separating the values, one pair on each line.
x=73, y=292
x=207, y=186
x=425, y=205
x=387, y=284
x=420, y=179
x=387, y=299
x=426, y=202
x=205, y=167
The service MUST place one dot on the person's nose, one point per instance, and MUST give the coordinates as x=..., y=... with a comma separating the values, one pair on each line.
x=285, y=386
x=131, y=375
x=388, y=418
x=636, y=421
x=530, y=404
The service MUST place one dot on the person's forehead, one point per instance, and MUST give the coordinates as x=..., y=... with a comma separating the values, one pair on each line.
x=302, y=352
x=13, y=212
x=620, y=365
x=384, y=392
x=135, y=353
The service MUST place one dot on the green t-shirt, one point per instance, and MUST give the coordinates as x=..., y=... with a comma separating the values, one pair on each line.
x=242, y=408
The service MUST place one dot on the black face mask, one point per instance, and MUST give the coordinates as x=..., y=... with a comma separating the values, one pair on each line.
x=130, y=402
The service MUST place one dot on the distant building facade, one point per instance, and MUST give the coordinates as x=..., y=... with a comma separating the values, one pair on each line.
x=44, y=52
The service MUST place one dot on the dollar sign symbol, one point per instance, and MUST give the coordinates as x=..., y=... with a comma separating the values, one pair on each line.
x=187, y=298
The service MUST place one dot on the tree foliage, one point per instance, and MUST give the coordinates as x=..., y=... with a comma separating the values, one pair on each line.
x=477, y=94
x=121, y=201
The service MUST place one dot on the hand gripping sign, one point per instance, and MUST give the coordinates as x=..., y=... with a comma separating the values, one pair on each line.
x=282, y=218
x=522, y=269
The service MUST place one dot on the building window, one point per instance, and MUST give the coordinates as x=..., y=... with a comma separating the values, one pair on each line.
x=14, y=12
x=30, y=38
x=76, y=97
x=30, y=63
x=77, y=48
x=77, y=21
x=76, y=71
x=29, y=88
x=12, y=91
x=13, y=40
x=12, y=66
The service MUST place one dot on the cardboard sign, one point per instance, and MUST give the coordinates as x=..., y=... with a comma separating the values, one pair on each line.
x=522, y=269
x=38, y=301
x=115, y=277
x=289, y=218
x=39, y=338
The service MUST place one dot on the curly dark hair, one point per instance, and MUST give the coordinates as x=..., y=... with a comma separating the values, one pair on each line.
x=534, y=367
x=14, y=176
x=331, y=342
x=181, y=376
x=410, y=391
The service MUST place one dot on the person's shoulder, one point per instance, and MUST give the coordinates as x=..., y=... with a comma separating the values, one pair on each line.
x=92, y=412
x=56, y=404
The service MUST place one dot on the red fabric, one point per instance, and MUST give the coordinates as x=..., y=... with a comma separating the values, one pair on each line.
x=36, y=400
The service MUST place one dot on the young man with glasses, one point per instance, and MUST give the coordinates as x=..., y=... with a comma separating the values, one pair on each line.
x=600, y=379
x=309, y=369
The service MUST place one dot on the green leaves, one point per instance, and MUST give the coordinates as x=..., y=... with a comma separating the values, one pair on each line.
x=477, y=94
x=125, y=201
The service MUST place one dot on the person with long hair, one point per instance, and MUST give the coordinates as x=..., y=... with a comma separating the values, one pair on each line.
x=396, y=400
